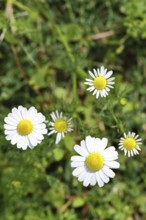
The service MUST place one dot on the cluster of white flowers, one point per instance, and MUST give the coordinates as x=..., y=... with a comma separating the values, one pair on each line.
x=26, y=127
x=94, y=164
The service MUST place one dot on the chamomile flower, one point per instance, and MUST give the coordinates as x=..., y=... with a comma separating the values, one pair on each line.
x=101, y=83
x=130, y=144
x=95, y=162
x=60, y=125
x=25, y=127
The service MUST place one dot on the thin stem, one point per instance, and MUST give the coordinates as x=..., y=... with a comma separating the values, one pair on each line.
x=74, y=81
x=69, y=53
x=17, y=61
x=120, y=126
x=72, y=61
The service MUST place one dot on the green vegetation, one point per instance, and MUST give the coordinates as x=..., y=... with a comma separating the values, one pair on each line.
x=46, y=50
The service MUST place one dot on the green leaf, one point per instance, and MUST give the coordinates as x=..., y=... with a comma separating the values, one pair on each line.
x=58, y=154
x=39, y=77
x=72, y=32
x=60, y=93
x=69, y=142
x=78, y=202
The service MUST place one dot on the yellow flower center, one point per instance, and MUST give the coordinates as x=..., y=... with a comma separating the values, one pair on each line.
x=129, y=143
x=60, y=125
x=100, y=82
x=94, y=161
x=24, y=127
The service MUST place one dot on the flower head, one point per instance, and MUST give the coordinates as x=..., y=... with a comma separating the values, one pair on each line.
x=60, y=125
x=95, y=162
x=130, y=144
x=25, y=127
x=101, y=83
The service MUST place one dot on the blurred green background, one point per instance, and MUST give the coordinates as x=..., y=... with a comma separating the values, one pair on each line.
x=46, y=50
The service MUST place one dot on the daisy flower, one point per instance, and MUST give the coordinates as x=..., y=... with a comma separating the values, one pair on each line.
x=25, y=127
x=101, y=83
x=95, y=162
x=60, y=125
x=130, y=144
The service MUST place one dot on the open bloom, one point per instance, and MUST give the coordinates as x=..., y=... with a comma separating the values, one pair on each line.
x=101, y=83
x=95, y=162
x=60, y=125
x=25, y=127
x=130, y=144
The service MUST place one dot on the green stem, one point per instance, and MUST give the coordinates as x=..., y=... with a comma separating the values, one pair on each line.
x=70, y=55
x=120, y=126
x=74, y=81
x=72, y=61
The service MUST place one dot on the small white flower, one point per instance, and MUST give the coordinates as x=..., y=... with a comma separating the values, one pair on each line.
x=130, y=144
x=25, y=127
x=60, y=125
x=95, y=162
x=101, y=83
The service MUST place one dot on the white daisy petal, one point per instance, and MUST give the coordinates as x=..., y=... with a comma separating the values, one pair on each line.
x=39, y=136
x=108, y=74
x=10, y=120
x=10, y=127
x=80, y=150
x=21, y=130
x=110, y=157
x=91, y=74
x=77, y=163
x=16, y=114
x=10, y=135
x=93, y=180
x=32, y=113
x=97, y=145
x=97, y=94
x=112, y=164
x=40, y=118
x=78, y=170
x=99, y=180
x=21, y=142
x=110, y=150
x=96, y=161
x=101, y=83
x=24, y=113
x=81, y=176
x=130, y=144
x=42, y=131
x=60, y=125
x=87, y=179
x=102, y=70
x=89, y=144
x=51, y=132
x=58, y=138
x=10, y=132
x=94, y=93
x=107, y=171
x=25, y=143
x=103, y=143
x=77, y=158
x=40, y=126
x=32, y=138
x=103, y=176
x=15, y=138
x=89, y=80
x=83, y=145
x=95, y=72
x=110, y=79
x=90, y=89
x=54, y=117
